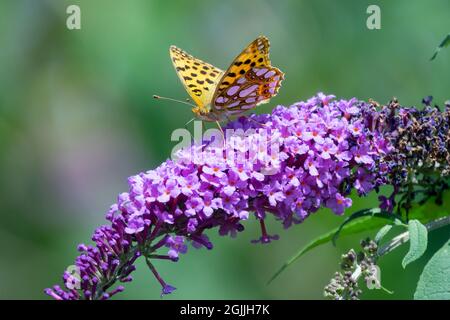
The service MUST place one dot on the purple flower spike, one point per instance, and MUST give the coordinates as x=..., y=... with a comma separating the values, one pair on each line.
x=287, y=164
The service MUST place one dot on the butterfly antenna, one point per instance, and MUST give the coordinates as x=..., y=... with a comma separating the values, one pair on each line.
x=174, y=100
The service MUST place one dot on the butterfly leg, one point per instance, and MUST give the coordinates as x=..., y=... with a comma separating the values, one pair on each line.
x=261, y=124
x=221, y=131
x=186, y=124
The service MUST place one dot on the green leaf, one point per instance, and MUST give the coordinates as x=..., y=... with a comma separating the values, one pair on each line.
x=383, y=231
x=399, y=223
x=444, y=43
x=434, y=282
x=418, y=241
x=363, y=224
x=374, y=212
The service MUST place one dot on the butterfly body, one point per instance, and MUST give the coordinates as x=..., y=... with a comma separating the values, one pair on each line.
x=248, y=82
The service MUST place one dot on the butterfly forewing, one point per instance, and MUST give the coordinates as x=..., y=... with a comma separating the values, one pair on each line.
x=198, y=77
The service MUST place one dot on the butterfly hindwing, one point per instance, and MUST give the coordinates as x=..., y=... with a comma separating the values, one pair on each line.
x=249, y=81
x=257, y=86
x=198, y=77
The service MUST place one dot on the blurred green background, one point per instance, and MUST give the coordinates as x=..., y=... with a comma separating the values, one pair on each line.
x=77, y=118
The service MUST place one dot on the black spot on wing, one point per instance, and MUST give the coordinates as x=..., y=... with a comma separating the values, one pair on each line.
x=197, y=92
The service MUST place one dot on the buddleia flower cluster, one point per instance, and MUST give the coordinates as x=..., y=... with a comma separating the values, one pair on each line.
x=419, y=161
x=421, y=137
x=286, y=165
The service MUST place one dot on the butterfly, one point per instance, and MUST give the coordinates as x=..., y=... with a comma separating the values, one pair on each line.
x=249, y=81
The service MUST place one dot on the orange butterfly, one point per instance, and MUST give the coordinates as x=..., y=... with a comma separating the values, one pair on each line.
x=248, y=82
